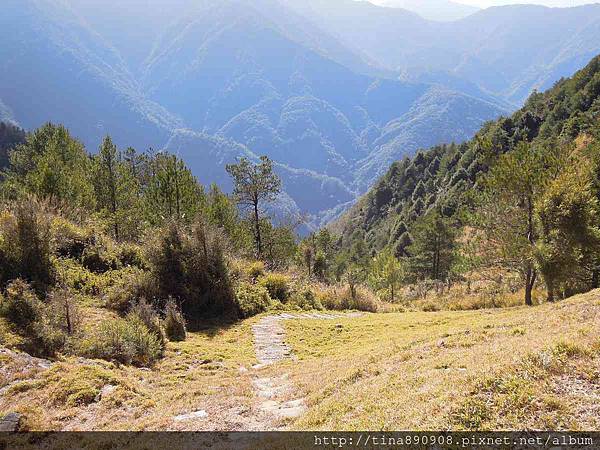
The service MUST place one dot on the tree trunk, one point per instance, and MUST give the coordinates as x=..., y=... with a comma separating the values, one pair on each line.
x=257, y=224
x=550, y=288
x=529, y=283
x=595, y=279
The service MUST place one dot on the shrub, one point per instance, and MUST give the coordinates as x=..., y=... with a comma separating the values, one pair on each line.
x=73, y=275
x=32, y=319
x=131, y=255
x=251, y=299
x=70, y=240
x=62, y=312
x=20, y=306
x=278, y=286
x=25, y=245
x=174, y=323
x=100, y=256
x=255, y=270
x=342, y=298
x=148, y=315
x=127, y=341
x=127, y=287
x=305, y=299
x=188, y=265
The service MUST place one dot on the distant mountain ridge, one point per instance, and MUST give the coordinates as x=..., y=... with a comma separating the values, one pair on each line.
x=213, y=80
x=441, y=177
x=507, y=51
x=440, y=10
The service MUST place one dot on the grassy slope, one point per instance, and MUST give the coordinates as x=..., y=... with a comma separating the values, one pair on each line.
x=498, y=369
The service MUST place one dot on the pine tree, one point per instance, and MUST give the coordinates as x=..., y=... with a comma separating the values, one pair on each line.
x=432, y=252
x=255, y=184
x=53, y=166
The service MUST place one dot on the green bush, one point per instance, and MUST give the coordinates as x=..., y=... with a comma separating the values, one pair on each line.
x=20, y=306
x=38, y=323
x=305, y=299
x=188, y=265
x=251, y=299
x=341, y=298
x=174, y=323
x=126, y=341
x=255, y=270
x=131, y=255
x=127, y=287
x=73, y=275
x=278, y=286
x=70, y=240
x=148, y=315
x=25, y=245
x=100, y=256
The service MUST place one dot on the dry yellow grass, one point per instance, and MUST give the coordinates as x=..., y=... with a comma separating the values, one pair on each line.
x=202, y=373
x=423, y=371
x=509, y=368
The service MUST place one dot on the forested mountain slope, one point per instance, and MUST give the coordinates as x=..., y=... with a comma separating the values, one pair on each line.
x=441, y=177
x=507, y=51
x=242, y=78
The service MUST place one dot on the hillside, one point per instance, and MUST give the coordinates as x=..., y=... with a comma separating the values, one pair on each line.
x=440, y=177
x=316, y=85
x=534, y=368
x=507, y=51
x=253, y=76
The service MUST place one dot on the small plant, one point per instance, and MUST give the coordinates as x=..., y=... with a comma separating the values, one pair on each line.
x=305, y=299
x=101, y=256
x=127, y=341
x=148, y=315
x=70, y=241
x=20, y=306
x=278, y=286
x=252, y=299
x=131, y=255
x=174, y=323
x=255, y=270
x=36, y=322
x=129, y=286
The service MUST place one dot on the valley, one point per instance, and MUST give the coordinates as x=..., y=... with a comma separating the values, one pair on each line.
x=285, y=215
x=333, y=102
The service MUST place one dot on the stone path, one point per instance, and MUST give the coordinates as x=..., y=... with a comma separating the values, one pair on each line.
x=270, y=347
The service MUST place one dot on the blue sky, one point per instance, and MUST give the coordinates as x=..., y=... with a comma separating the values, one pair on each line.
x=559, y=3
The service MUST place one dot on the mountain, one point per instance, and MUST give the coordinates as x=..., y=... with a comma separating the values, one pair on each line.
x=54, y=67
x=215, y=80
x=442, y=176
x=333, y=91
x=506, y=51
x=439, y=10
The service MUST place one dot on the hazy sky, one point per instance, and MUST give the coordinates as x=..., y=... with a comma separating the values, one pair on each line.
x=486, y=3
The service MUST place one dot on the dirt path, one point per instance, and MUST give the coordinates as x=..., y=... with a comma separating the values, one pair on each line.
x=270, y=347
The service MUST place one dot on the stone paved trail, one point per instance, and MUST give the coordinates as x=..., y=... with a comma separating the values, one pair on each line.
x=270, y=347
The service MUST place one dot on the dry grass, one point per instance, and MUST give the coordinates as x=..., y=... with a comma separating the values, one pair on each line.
x=201, y=373
x=506, y=368
x=420, y=370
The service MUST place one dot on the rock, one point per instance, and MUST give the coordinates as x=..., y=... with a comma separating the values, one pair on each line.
x=106, y=390
x=10, y=423
x=191, y=416
x=242, y=369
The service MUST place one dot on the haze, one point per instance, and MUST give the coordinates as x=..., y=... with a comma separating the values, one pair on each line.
x=552, y=3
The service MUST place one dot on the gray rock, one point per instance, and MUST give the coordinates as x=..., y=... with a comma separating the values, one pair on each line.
x=11, y=422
